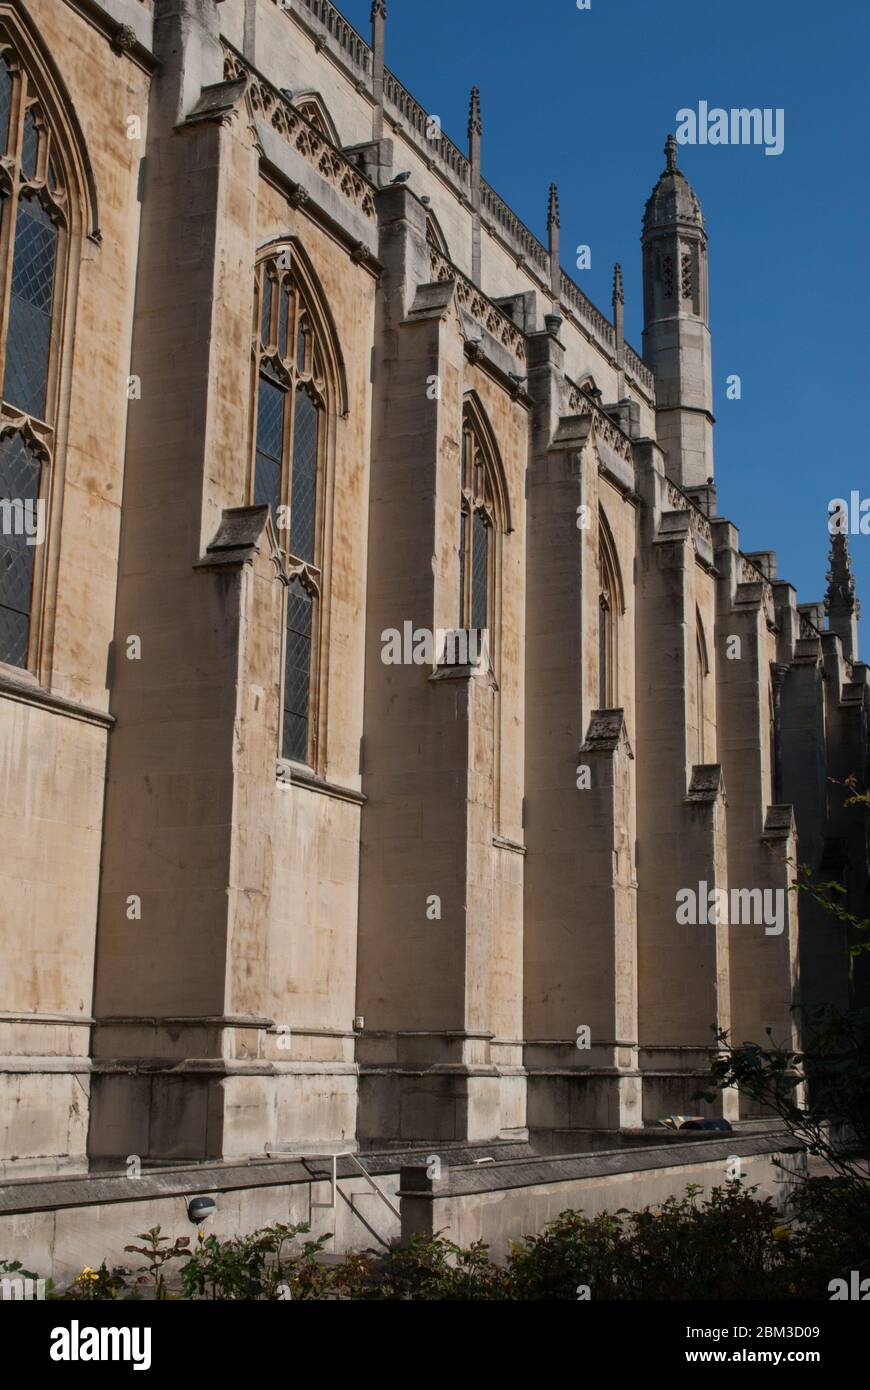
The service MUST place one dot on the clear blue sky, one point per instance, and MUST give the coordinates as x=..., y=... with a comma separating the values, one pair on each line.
x=586, y=98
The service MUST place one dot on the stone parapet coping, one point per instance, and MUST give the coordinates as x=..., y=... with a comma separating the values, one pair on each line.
x=535, y=1172
x=27, y=691
x=335, y=33
x=515, y=1168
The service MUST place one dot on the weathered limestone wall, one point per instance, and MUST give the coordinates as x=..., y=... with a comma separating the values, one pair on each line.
x=295, y=854
x=495, y=972
x=580, y=918
x=56, y=1228
x=505, y=1201
x=761, y=841
x=427, y=987
x=51, y=766
x=824, y=966
x=170, y=786
x=282, y=45
x=269, y=844
x=847, y=720
x=251, y=912
x=53, y=721
x=682, y=964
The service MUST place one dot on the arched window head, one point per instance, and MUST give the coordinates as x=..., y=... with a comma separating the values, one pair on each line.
x=38, y=212
x=435, y=236
x=605, y=658
x=611, y=604
x=702, y=670
x=773, y=781
x=315, y=111
x=483, y=517
x=296, y=391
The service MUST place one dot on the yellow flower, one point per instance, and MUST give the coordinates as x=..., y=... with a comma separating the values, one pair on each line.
x=781, y=1233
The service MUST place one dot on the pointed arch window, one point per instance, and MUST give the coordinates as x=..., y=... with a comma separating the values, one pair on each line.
x=611, y=604
x=605, y=659
x=772, y=743
x=435, y=236
x=294, y=402
x=313, y=108
x=482, y=520
x=312, y=115
x=702, y=670
x=35, y=225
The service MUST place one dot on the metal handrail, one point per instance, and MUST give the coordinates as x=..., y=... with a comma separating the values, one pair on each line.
x=333, y=1180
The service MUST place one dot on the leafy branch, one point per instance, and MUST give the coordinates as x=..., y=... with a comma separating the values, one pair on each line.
x=828, y=894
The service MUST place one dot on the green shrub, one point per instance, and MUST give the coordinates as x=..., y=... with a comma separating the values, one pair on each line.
x=732, y=1245
x=255, y=1267
x=426, y=1270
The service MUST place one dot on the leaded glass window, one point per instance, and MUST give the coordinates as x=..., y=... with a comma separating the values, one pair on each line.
x=28, y=334
x=283, y=317
x=266, y=311
x=478, y=525
x=297, y=672
x=20, y=473
x=480, y=572
x=29, y=146
x=289, y=448
x=701, y=671
x=610, y=606
x=303, y=503
x=270, y=444
x=604, y=622
x=34, y=215
x=463, y=551
x=5, y=102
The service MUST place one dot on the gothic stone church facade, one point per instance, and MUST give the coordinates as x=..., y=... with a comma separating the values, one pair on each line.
x=286, y=384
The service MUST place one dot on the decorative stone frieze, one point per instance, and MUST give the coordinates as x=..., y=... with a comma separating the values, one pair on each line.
x=265, y=101
x=478, y=306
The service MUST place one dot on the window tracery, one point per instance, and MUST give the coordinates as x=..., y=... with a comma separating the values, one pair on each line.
x=35, y=223
x=294, y=403
x=481, y=520
x=610, y=605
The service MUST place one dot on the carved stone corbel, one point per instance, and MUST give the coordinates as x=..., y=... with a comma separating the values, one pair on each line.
x=124, y=38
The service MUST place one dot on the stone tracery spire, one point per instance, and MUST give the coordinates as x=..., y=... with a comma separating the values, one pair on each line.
x=618, y=292
x=475, y=120
x=841, y=602
x=618, y=302
x=841, y=580
x=554, y=234
x=553, y=218
x=379, y=22
x=676, y=332
x=475, y=131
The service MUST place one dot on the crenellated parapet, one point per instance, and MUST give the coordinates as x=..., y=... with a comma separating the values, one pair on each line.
x=340, y=31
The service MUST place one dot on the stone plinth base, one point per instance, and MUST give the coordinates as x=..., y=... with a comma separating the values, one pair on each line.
x=441, y=1104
